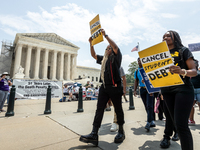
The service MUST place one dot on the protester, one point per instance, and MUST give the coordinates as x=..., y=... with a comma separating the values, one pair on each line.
x=114, y=126
x=110, y=88
x=67, y=91
x=148, y=99
x=4, y=89
x=196, y=84
x=88, y=85
x=179, y=99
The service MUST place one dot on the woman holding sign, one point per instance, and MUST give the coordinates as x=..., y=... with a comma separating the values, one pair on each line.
x=110, y=89
x=179, y=99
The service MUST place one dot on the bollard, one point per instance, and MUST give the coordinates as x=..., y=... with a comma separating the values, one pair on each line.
x=131, y=104
x=11, y=103
x=80, y=100
x=48, y=101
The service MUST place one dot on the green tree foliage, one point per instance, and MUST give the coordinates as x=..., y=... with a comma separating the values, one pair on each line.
x=130, y=76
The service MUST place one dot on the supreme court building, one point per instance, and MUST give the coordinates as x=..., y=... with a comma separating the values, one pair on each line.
x=46, y=56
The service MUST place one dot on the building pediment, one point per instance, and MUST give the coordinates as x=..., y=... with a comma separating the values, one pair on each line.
x=49, y=37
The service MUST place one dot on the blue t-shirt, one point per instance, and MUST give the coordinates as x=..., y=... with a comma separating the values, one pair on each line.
x=139, y=77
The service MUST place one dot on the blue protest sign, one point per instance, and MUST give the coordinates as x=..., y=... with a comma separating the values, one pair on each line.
x=194, y=47
x=147, y=83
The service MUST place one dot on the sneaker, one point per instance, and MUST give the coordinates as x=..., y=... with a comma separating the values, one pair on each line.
x=2, y=110
x=152, y=124
x=69, y=100
x=191, y=122
x=147, y=127
x=114, y=127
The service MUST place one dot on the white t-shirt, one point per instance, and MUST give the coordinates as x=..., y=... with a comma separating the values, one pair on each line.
x=66, y=90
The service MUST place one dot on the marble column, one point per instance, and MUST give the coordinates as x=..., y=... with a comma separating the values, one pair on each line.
x=54, y=65
x=61, y=66
x=71, y=67
x=74, y=68
x=68, y=66
x=28, y=62
x=37, y=63
x=45, y=64
x=65, y=66
x=18, y=55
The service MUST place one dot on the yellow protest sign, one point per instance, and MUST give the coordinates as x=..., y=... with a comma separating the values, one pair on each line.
x=95, y=29
x=156, y=61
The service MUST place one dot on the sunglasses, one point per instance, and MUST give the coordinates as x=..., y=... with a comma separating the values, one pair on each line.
x=110, y=48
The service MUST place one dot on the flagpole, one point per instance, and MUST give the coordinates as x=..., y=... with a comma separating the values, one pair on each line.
x=138, y=47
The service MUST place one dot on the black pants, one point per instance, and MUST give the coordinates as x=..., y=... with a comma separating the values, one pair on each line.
x=115, y=93
x=177, y=109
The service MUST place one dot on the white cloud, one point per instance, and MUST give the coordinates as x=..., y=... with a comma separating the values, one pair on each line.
x=168, y=15
x=125, y=23
x=126, y=61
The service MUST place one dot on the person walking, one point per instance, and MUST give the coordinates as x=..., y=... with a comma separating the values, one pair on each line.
x=114, y=126
x=147, y=99
x=178, y=99
x=4, y=89
x=110, y=89
x=196, y=83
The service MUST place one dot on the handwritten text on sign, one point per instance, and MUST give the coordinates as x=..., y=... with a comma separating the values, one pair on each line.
x=95, y=29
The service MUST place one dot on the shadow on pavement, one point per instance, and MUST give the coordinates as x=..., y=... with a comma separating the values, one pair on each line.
x=196, y=127
x=109, y=146
x=105, y=130
x=155, y=145
x=142, y=131
x=87, y=147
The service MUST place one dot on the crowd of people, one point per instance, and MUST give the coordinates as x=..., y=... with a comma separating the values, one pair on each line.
x=71, y=91
x=174, y=102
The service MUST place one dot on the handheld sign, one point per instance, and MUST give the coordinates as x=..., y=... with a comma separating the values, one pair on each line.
x=95, y=29
x=149, y=86
x=156, y=61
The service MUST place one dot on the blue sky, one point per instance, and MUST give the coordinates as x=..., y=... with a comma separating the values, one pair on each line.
x=127, y=22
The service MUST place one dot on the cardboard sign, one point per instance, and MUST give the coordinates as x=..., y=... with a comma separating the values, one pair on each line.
x=149, y=86
x=156, y=61
x=95, y=29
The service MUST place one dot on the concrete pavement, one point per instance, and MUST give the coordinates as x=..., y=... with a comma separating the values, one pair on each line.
x=31, y=129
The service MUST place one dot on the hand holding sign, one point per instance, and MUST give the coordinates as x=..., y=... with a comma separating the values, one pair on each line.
x=175, y=69
x=95, y=29
x=103, y=32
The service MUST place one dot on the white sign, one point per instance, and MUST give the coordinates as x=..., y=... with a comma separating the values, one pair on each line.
x=36, y=89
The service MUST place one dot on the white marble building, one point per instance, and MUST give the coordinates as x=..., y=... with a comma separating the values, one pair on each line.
x=47, y=56
x=89, y=73
x=44, y=56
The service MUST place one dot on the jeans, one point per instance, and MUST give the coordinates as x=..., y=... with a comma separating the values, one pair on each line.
x=148, y=103
x=115, y=93
x=197, y=94
x=3, y=96
x=177, y=109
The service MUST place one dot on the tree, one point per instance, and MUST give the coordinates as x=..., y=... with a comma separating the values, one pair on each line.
x=132, y=68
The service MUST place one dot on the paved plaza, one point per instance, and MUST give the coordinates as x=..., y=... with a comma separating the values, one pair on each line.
x=30, y=129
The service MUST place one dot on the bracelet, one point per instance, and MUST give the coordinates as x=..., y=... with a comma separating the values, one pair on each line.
x=184, y=73
x=105, y=35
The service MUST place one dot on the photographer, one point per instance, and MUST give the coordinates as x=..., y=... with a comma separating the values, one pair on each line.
x=4, y=89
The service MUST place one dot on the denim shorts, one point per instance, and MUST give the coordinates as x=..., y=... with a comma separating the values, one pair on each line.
x=197, y=94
